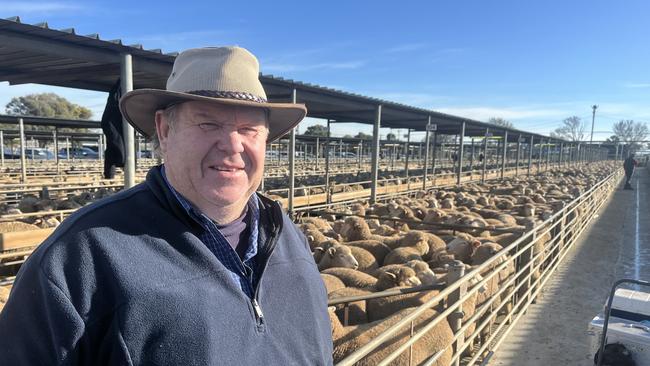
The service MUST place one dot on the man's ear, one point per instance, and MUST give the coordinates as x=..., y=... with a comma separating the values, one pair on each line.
x=162, y=129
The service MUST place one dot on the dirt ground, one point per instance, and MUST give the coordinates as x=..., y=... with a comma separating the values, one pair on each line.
x=617, y=245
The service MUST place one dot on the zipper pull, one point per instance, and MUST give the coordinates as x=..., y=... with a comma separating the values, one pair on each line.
x=258, y=311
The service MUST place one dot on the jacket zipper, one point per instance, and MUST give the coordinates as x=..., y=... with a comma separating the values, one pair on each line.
x=271, y=244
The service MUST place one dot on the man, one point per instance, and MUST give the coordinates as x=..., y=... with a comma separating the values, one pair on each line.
x=191, y=267
x=628, y=166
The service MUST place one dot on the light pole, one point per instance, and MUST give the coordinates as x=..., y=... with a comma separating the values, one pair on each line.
x=593, y=119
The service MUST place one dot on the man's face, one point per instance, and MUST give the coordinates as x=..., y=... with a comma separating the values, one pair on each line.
x=214, y=154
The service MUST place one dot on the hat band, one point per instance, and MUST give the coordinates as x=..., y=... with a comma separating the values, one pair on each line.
x=228, y=95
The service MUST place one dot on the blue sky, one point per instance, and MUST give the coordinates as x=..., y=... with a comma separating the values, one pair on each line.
x=533, y=63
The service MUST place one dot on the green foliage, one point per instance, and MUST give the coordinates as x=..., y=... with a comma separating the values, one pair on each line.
x=391, y=137
x=45, y=105
x=316, y=130
x=364, y=136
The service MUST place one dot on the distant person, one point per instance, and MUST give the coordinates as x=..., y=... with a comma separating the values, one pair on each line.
x=628, y=166
x=481, y=157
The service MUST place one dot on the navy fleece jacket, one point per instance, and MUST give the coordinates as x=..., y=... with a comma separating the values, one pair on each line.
x=125, y=281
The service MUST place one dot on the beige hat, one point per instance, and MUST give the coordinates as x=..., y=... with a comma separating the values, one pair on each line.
x=225, y=75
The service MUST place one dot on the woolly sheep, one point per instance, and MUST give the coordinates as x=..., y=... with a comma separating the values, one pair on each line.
x=352, y=278
x=348, y=339
x=366, y=261
x=338, y=256
x=356, y=310
x=332, y=283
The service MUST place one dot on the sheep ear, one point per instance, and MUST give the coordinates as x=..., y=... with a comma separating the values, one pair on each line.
x=476, y=244
x=331, y=251
x=391, y=275
x=319, y=249
x=310, y=238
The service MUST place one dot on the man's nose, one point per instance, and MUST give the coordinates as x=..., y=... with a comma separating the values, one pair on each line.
x=231, y=142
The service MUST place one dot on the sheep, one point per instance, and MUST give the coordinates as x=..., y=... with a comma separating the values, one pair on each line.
x=356, y=228
x=462, y=249
x=397, y=277
x=13, y=226
x=332, y=283
x=352, y=278
x=338, y=256
x=376, y=248
x=421, y=268
x=383, y=307
x=356, y=310
x=4, y=296
x=348, y=339
x=366, y=261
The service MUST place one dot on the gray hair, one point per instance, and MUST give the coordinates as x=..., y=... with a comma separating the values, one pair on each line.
x=170, y=114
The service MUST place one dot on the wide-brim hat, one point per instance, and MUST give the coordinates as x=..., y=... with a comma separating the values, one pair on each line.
x=222, y=75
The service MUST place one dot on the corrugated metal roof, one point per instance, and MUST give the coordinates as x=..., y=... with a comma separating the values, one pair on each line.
x=39, y=54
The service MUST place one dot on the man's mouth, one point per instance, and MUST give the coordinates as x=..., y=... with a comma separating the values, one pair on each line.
x=227, y=168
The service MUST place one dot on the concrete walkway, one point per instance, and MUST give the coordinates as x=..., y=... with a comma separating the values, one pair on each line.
x=617, y=245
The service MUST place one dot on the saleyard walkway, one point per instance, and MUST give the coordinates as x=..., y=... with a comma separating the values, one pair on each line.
x=617, y=245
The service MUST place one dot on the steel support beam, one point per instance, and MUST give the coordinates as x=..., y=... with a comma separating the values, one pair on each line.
x=126, y=70
x=406, y=159
x=427, y=145
x=504, y=156
x=2, y=149
x=292, y=160
x=23, y=166
x=530, y=154
x=460, y=153
x=485, y=158
x=375, y=155
x=518, y=155
x=328, y=193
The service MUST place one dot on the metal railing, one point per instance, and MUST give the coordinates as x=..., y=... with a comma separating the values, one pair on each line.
x=493, y=319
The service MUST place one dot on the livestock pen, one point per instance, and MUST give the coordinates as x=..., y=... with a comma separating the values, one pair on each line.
x=477, y=334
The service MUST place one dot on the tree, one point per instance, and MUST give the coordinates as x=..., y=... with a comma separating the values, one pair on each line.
x=628, y=130
x=316, y=130
x=391, y=137
x=46, y=105
x=364, y=136
x=500, y=122
x=572, y=129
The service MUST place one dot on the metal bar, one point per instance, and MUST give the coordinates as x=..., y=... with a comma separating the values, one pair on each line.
x=460, y=153
x=485, y=157
x=505, y=154
x=433, y=158
x=426, y=155
x=548, y=154
x=471, y=162
x=375, y=155
x=2, y=149
x=518, y=155
x=23, y=166
x=56, y=148
x=406, y=158
x=126, y=71
x=292, y=160
x=530, y=154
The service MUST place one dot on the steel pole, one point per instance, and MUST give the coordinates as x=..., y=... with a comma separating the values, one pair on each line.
x=518, y=154
x=530, y=155
x=375, y=155
x=426, y=155
x=292, y=160
x=126, y=71
x=504, y=156
x=406, y=158
x=23, y=166
x=471, y=161
x=2, y=149
x=55, y=137
x=485, y=158
x=328, y=196
x=460, y=153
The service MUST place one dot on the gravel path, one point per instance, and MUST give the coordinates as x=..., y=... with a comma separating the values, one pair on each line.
x=554, y=331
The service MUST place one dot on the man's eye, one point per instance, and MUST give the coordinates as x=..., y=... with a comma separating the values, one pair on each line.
x=206, y=126
x=248, y=131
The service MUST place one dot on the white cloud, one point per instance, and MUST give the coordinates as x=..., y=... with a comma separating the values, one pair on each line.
x=287, y=67
x=25, y=7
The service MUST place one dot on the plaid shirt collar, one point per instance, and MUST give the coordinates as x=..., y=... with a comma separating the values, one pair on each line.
x=243, y=270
